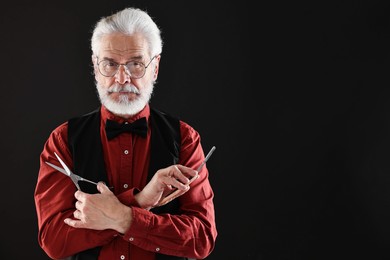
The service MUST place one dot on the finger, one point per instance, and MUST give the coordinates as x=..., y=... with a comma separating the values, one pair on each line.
x=186, y=170
x=78, y=205
x=178, y=175
x=194, y=178
x=172, y=196
x=193, y=173
x=172, y=180
x=179, y=184
x=102, y=187
x=74, y=223
x=77, y=214
x=79, y=195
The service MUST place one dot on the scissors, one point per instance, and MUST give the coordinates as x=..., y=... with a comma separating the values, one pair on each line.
x=178, y=193
x=65, y=170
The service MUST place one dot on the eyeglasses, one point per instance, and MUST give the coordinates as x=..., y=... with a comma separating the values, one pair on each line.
x=135, y=69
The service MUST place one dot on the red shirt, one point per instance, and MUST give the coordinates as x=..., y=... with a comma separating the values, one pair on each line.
x=191, y=234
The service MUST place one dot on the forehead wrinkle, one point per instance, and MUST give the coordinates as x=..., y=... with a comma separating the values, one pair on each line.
x=122, y=51
x=124, y=45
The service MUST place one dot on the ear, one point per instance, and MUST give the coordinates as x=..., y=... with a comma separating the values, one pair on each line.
x=94, y=64
x=156, y=67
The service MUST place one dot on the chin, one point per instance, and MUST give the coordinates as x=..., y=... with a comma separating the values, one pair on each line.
x=124, y=106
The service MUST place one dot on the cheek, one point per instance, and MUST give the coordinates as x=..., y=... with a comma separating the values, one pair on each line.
x=104, y=81
x=96, y=72
x=141, y=83
x=151, y=76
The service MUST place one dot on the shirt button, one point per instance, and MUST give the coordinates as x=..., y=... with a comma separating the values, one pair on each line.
x=123, y=257
x=126, y=152
x=125, y=186
x=131, y=238
x=157, y=249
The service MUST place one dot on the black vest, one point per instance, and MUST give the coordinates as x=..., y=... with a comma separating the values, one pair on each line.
x=85, y=145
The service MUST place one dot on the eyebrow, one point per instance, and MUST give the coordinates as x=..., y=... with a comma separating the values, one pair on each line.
x=136, y=58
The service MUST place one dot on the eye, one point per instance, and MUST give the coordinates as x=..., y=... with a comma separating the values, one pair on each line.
x=110, y=64
x=136, y=64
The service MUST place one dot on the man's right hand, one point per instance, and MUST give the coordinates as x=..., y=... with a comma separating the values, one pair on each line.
x=164, y=181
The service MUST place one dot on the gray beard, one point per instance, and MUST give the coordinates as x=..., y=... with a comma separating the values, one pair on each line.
x=125, y=107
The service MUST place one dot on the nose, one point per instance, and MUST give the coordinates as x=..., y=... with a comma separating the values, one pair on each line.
x=122, y=76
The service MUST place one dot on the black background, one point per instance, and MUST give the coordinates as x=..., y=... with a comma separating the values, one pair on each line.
x=294, y=95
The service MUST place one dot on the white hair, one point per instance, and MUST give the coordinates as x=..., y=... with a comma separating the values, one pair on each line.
x=128, y=21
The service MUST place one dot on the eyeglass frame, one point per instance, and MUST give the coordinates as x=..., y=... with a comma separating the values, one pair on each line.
x=125, y=66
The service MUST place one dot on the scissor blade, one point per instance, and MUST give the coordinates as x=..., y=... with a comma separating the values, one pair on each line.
x=57, y=168
x=68, y=172
x=206, y=159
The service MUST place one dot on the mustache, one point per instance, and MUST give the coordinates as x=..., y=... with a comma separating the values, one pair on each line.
x=116, y=88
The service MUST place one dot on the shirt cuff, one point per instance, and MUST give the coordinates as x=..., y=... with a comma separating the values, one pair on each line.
x=128, y=197
x=140, y=225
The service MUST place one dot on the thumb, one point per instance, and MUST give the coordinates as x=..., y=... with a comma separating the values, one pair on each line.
x=102, y=187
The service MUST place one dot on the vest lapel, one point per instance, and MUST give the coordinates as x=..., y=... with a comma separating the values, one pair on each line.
x=87, y=150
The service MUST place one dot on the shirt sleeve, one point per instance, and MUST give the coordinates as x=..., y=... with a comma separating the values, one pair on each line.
x=192, y=232
x=54, y=200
